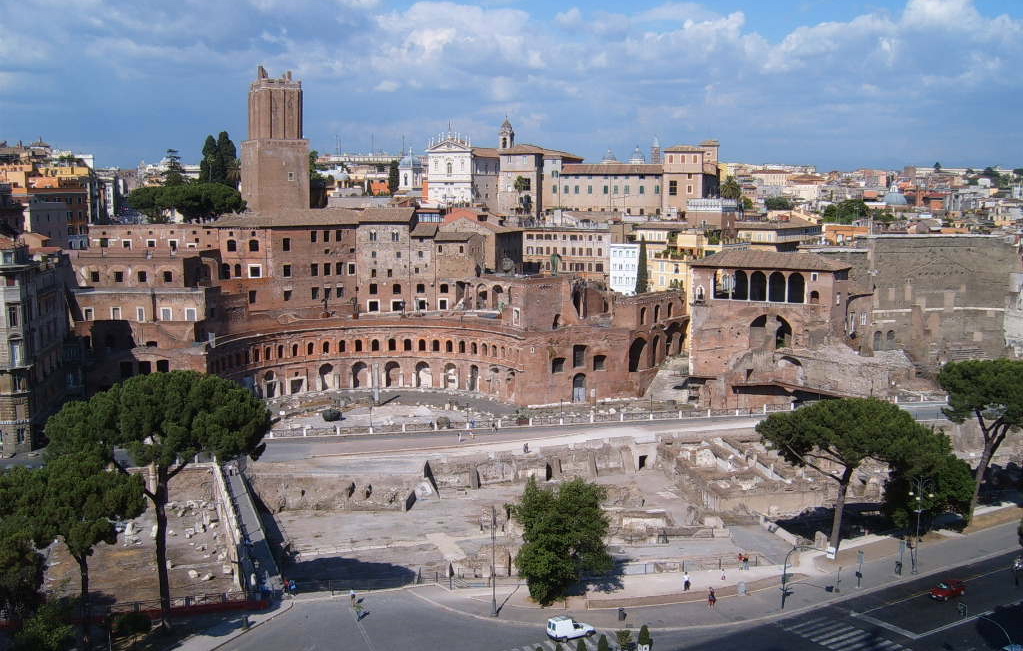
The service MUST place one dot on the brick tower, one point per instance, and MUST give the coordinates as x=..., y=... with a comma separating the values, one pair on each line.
x=275, y=158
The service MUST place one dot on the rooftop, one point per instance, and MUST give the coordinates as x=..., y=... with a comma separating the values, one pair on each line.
x=740, y=259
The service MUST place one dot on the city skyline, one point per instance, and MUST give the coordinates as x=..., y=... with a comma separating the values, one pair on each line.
x=836, y=85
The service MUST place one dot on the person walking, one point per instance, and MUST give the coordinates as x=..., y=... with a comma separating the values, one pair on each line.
x=353, y=597
x=711, y=598
x=745, y=561
x=686, y=584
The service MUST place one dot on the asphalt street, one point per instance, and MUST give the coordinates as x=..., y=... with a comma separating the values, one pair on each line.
x=890, y=619
x=289, y=449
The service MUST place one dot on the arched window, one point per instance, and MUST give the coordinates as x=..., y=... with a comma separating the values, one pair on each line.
x=225, y=271
x=758, y=286
x=741, y=290
x=473, y=349
x=435, y=346
x=422, y=344
x=253, y=245
x=449, y=168
x=326, y=347
x=341, y=346
x=797, y=287
x=461, y=347
x=407, y=344
x=309, y=348
x=358, y=345
x=392, y=344
x=449, y=347
x=374, y=345
x=237, y=271
x=776, y=287
x=294, y=350
x=232, y=245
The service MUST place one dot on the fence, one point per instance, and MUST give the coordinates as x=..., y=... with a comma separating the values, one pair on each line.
x=198, y=603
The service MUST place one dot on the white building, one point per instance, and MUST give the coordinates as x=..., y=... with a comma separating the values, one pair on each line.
x=458, y=173
x=623, y=264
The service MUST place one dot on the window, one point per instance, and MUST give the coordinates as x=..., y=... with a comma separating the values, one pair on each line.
x=140, y=314
x=286, y=244
x=17, y=352
x=351, y=269
x=168, y=276
x=326, y=236
x=578, y=355
x=232, y=245
x=315, y=293
x=394, y=236
x=838, y=298
x=253, y=245
x=190, y=314
x=396, y=288
x=314, y=269
x=252, y=296
x=88, y=315
x=558, y=365
x=372, y=236
x=286, y=271
x=143, y=276
x=326, y=268
x=689, y=189
x=166, y=314
x=151, y=244
x=94, y=276
x=599, y=362
x=115, y=313
x=442, y=304
x=255, y=271
x=605, y=189
x=312, y=236
x=372, y=288
x=672, y=188
x=420, y=288
x=287, y=294
x=339, y=268
x=124, y=243
x=373, y=306
x=118, y=276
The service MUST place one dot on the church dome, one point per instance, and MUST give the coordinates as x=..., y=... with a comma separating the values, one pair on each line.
x=895, y=198
x=609, y=157
x=637, y=157
x=409, y=161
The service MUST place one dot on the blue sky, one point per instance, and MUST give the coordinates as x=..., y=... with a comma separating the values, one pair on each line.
x=835, y=83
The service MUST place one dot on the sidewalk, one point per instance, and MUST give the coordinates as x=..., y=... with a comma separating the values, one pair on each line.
x=658, y=601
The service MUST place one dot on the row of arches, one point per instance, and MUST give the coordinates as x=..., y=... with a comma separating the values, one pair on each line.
x=885, y=341
x=295, y=350
x=495, y=380
x=776, y=287
x=647, y=353
x=658, y=312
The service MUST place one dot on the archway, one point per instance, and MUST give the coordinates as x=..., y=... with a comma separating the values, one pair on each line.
x=474, y=378
x=655, y=349
x=270, y=385
x=424, y=376
x=741, y=290
x=758, y=286
x=579, y=387
x=797, y=287
x=326, y=377
x=783, y=334
x=509, y=383
x=636, y=353
x=392, y=374
x=757, y=332
x=360, y=375
x=497, y=297
x=450, y=376
x=776, y=287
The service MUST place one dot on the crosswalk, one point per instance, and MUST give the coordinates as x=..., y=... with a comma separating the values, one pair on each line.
x=570, y=645
x=838, y=636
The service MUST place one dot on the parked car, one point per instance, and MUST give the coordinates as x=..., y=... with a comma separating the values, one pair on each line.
x=563, y=628
x=947, y=589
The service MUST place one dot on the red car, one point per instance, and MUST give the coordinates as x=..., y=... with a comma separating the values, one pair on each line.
x=947, y=589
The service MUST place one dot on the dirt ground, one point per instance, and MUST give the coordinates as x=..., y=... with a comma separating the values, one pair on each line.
x=119, y=573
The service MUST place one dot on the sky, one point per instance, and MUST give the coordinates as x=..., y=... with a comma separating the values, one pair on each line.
x=839, y=84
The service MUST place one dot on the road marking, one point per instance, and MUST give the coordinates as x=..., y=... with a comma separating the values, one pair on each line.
x=920, y=594
x=885, y=625
x=840, y=636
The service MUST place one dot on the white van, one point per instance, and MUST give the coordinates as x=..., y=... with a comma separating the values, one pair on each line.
x=563, y=628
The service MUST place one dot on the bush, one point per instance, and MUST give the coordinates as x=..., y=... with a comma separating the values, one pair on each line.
x=580, y=645
x=132, y=624
x=47, y=630
x=331, y=415
x=443, y=422
x=602, y=644
x=644, y=636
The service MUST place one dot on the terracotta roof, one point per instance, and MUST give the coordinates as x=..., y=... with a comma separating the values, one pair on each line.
x=683, y=148
x=315, y=217
x=773, y=225
x=485, y=152
x=768, y=260
x=454, y=236
x=606, y=169
x=536, y=149
x=428, y=229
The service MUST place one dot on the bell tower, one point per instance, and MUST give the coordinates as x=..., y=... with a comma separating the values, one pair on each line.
x=506, y=137
x=275, y=158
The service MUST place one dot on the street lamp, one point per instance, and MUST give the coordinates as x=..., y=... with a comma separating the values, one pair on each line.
x=922, y=487
x=785, y=572
x=1011, y=645
x=493, y=561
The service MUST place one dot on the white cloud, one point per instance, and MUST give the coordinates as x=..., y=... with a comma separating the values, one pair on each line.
x=679, y=69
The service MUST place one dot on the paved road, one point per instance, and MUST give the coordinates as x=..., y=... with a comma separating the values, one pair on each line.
x=901, y=617
x=290, y=449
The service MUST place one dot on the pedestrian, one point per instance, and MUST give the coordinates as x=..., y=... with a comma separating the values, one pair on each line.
x=493, y=428
x=292, y=588
x=745, y=562
x=686, y=584
x=352, y=597
x=525, y=448
x=711, y=598
x=459, y=437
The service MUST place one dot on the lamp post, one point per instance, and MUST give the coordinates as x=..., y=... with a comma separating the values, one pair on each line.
x=493, y=561
x=1002, y=628
x=785, y=572
x=921, y=490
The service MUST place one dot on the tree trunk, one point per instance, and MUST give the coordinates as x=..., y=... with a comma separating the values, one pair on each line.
x=160, y=504
x=83, y=572
x=978, y=475
x=836, y=524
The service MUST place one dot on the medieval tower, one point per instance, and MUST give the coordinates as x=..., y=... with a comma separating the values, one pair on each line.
x=275, y=158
